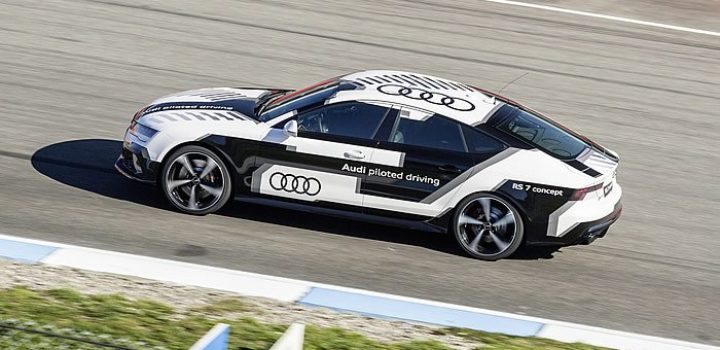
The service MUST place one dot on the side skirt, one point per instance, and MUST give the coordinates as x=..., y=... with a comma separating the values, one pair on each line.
x=419, y=223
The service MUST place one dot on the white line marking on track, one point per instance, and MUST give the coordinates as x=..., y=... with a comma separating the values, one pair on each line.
x=608, y=17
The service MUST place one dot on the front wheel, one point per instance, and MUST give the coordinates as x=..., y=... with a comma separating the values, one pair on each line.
x=196, y=181
x=488, y=227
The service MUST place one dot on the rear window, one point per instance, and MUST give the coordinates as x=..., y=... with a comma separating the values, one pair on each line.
x=542, y=134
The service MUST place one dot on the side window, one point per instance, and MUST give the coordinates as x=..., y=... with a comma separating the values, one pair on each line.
x=431, y=131
x=354, y=119
x=478, y=142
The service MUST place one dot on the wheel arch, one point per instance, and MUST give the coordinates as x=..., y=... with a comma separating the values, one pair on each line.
x=223, y=157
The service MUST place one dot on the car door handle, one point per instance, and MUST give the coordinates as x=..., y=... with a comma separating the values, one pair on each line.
x=354, y=154
x=450, y=169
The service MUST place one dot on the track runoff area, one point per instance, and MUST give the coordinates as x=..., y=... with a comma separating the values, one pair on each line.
x=342, y=299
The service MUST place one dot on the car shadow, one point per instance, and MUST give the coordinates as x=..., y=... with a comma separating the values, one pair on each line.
x=88, y=164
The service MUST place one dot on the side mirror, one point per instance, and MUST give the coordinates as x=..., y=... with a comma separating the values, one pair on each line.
x=290, y=128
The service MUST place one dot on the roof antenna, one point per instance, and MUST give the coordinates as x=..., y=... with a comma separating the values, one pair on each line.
x=512, y=81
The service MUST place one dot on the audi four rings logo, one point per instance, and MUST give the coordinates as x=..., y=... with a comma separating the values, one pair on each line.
x=437, y=98
x=295, y=183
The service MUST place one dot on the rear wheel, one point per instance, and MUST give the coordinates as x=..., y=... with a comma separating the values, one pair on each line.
x=488, y=227
x=196, y=181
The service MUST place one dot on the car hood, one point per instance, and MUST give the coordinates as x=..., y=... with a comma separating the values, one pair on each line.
x=240, y=101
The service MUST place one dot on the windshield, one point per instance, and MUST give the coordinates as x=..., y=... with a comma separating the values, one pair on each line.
x=544, y=134
x=290, y=96
x=304, y=99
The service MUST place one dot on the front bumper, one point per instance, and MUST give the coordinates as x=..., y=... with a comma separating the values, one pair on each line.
x=134, y=163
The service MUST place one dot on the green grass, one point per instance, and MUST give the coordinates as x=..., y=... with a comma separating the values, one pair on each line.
x=158, y=324
x=224, y=306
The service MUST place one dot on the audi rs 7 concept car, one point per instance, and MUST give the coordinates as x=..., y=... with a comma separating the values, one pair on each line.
x=382, y=144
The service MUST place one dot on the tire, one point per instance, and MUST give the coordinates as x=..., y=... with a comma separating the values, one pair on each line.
x=195, y=180
x=493, y=239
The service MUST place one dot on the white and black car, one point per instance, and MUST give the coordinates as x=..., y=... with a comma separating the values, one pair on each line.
x=382, y=144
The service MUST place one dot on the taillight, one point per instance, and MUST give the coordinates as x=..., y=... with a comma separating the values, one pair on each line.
x=580, y=193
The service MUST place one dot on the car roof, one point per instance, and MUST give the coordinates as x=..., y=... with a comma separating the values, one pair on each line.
x=452, y=99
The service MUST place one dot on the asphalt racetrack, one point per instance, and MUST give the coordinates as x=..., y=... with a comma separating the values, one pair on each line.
x=72, y=73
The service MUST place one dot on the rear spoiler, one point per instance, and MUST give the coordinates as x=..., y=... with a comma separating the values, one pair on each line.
x=607, y=152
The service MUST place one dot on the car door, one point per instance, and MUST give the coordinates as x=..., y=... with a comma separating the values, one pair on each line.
x=329, y=157
x=436, y=159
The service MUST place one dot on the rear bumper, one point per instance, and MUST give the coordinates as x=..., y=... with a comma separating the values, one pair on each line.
x=587, y=232
x=584, y=232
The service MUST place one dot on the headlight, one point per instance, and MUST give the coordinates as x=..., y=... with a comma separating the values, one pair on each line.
x=137, y=115
x=143, y=132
